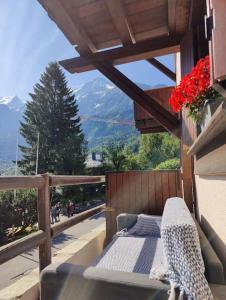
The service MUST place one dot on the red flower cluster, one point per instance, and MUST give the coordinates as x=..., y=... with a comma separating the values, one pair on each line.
x=192, y=85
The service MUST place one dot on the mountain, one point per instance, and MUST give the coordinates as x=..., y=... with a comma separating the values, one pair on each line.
x=106, y=112
x=11, y=109
x=12, y=102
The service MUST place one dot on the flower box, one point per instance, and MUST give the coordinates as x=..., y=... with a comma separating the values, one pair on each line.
x=209, y=108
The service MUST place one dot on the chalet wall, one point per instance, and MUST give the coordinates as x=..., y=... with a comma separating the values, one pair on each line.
x=211, y=211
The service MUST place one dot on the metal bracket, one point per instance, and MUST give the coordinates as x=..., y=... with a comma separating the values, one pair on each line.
x=208, y=27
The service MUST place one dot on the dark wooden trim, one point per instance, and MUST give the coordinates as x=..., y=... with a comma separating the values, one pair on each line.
x=17, y=247
x=158, y=65
x=125, y=54
x=121, y=22
x=165, y=118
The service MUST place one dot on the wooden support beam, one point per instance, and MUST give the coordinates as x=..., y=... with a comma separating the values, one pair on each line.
x=70, y=27
x=44, y=223
x=152, y=130
x=165, y=118
x=162, y=68
x=120, y=21
x=121, y=55
x=172, y=16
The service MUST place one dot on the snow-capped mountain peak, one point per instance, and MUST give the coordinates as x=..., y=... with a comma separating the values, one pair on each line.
x=6, y=100
x=12, y=102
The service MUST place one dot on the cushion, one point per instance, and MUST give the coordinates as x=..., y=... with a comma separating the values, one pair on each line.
x=146, y=225
x=131, y=254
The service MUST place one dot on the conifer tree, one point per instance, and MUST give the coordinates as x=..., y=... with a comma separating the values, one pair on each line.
x=53, y=115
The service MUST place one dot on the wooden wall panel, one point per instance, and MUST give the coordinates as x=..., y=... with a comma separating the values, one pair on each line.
x=188, y=131
x=139, y=192
x=187, y=63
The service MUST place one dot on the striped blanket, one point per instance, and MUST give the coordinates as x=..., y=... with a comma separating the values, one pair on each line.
x=183, y=265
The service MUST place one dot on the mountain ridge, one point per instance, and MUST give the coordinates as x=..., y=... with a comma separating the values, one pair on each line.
x=106, y=113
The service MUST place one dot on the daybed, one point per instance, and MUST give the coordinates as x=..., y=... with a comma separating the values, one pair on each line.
x=123, y=270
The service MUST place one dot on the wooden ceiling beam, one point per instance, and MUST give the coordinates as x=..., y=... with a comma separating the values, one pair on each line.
x=152, y=130
x=158, y=65
x=120, y=21
x=172, y=15
x=158, y=112
x=125, y=54
x=71, y=28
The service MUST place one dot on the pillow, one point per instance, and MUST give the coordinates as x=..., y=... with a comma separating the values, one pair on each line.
x=146, y=225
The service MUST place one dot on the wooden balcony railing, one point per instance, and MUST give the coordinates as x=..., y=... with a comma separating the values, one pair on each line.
x=43, y=236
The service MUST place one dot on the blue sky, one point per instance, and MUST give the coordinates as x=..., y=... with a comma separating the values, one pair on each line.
x=29, y=40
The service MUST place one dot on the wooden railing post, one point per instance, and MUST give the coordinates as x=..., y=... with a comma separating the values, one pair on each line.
x=44, y=223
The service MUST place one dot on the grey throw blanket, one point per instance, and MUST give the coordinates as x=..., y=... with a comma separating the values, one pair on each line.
x=183, y=266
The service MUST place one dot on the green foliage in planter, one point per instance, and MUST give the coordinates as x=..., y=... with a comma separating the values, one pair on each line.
x=196, y=107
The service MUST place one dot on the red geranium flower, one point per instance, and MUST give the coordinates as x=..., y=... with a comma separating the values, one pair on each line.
x=192, y=86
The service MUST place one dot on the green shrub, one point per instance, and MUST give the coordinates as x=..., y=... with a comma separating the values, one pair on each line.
x=169, y=164
x=17, y=213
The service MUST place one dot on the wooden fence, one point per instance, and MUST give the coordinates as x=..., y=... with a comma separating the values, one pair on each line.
x=43, y=236
x=139, y=192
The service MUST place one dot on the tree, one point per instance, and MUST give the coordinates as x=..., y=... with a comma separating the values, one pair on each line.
x=53, y=115
x=114, y=156
x=156, y=148
x=149, y=153
x=131, y=162
x=169, y=164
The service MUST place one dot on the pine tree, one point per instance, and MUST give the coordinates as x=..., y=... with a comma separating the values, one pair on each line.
x=53, y=115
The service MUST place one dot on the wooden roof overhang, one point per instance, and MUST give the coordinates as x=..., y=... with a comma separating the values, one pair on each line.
x=144, y=122
x=131, y=30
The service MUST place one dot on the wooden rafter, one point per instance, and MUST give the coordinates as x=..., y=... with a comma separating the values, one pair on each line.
x=172, y=15
x=129, y=53
x=165, y=118
x=103, y=62
x=158, y=65
x=71, y=28
x=120, y=21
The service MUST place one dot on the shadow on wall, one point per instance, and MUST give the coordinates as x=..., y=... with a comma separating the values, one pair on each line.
x=218, y=245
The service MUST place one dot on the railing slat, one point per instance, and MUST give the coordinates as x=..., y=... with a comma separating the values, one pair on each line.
x=20, y=182
x=59, y=227
x=17, y=247
x=75, y=180
x=43, y=237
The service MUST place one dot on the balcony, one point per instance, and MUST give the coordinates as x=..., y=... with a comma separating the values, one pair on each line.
x=126, y=192
x=122, y=195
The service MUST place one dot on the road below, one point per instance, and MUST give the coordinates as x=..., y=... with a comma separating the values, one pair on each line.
x=26, y=262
